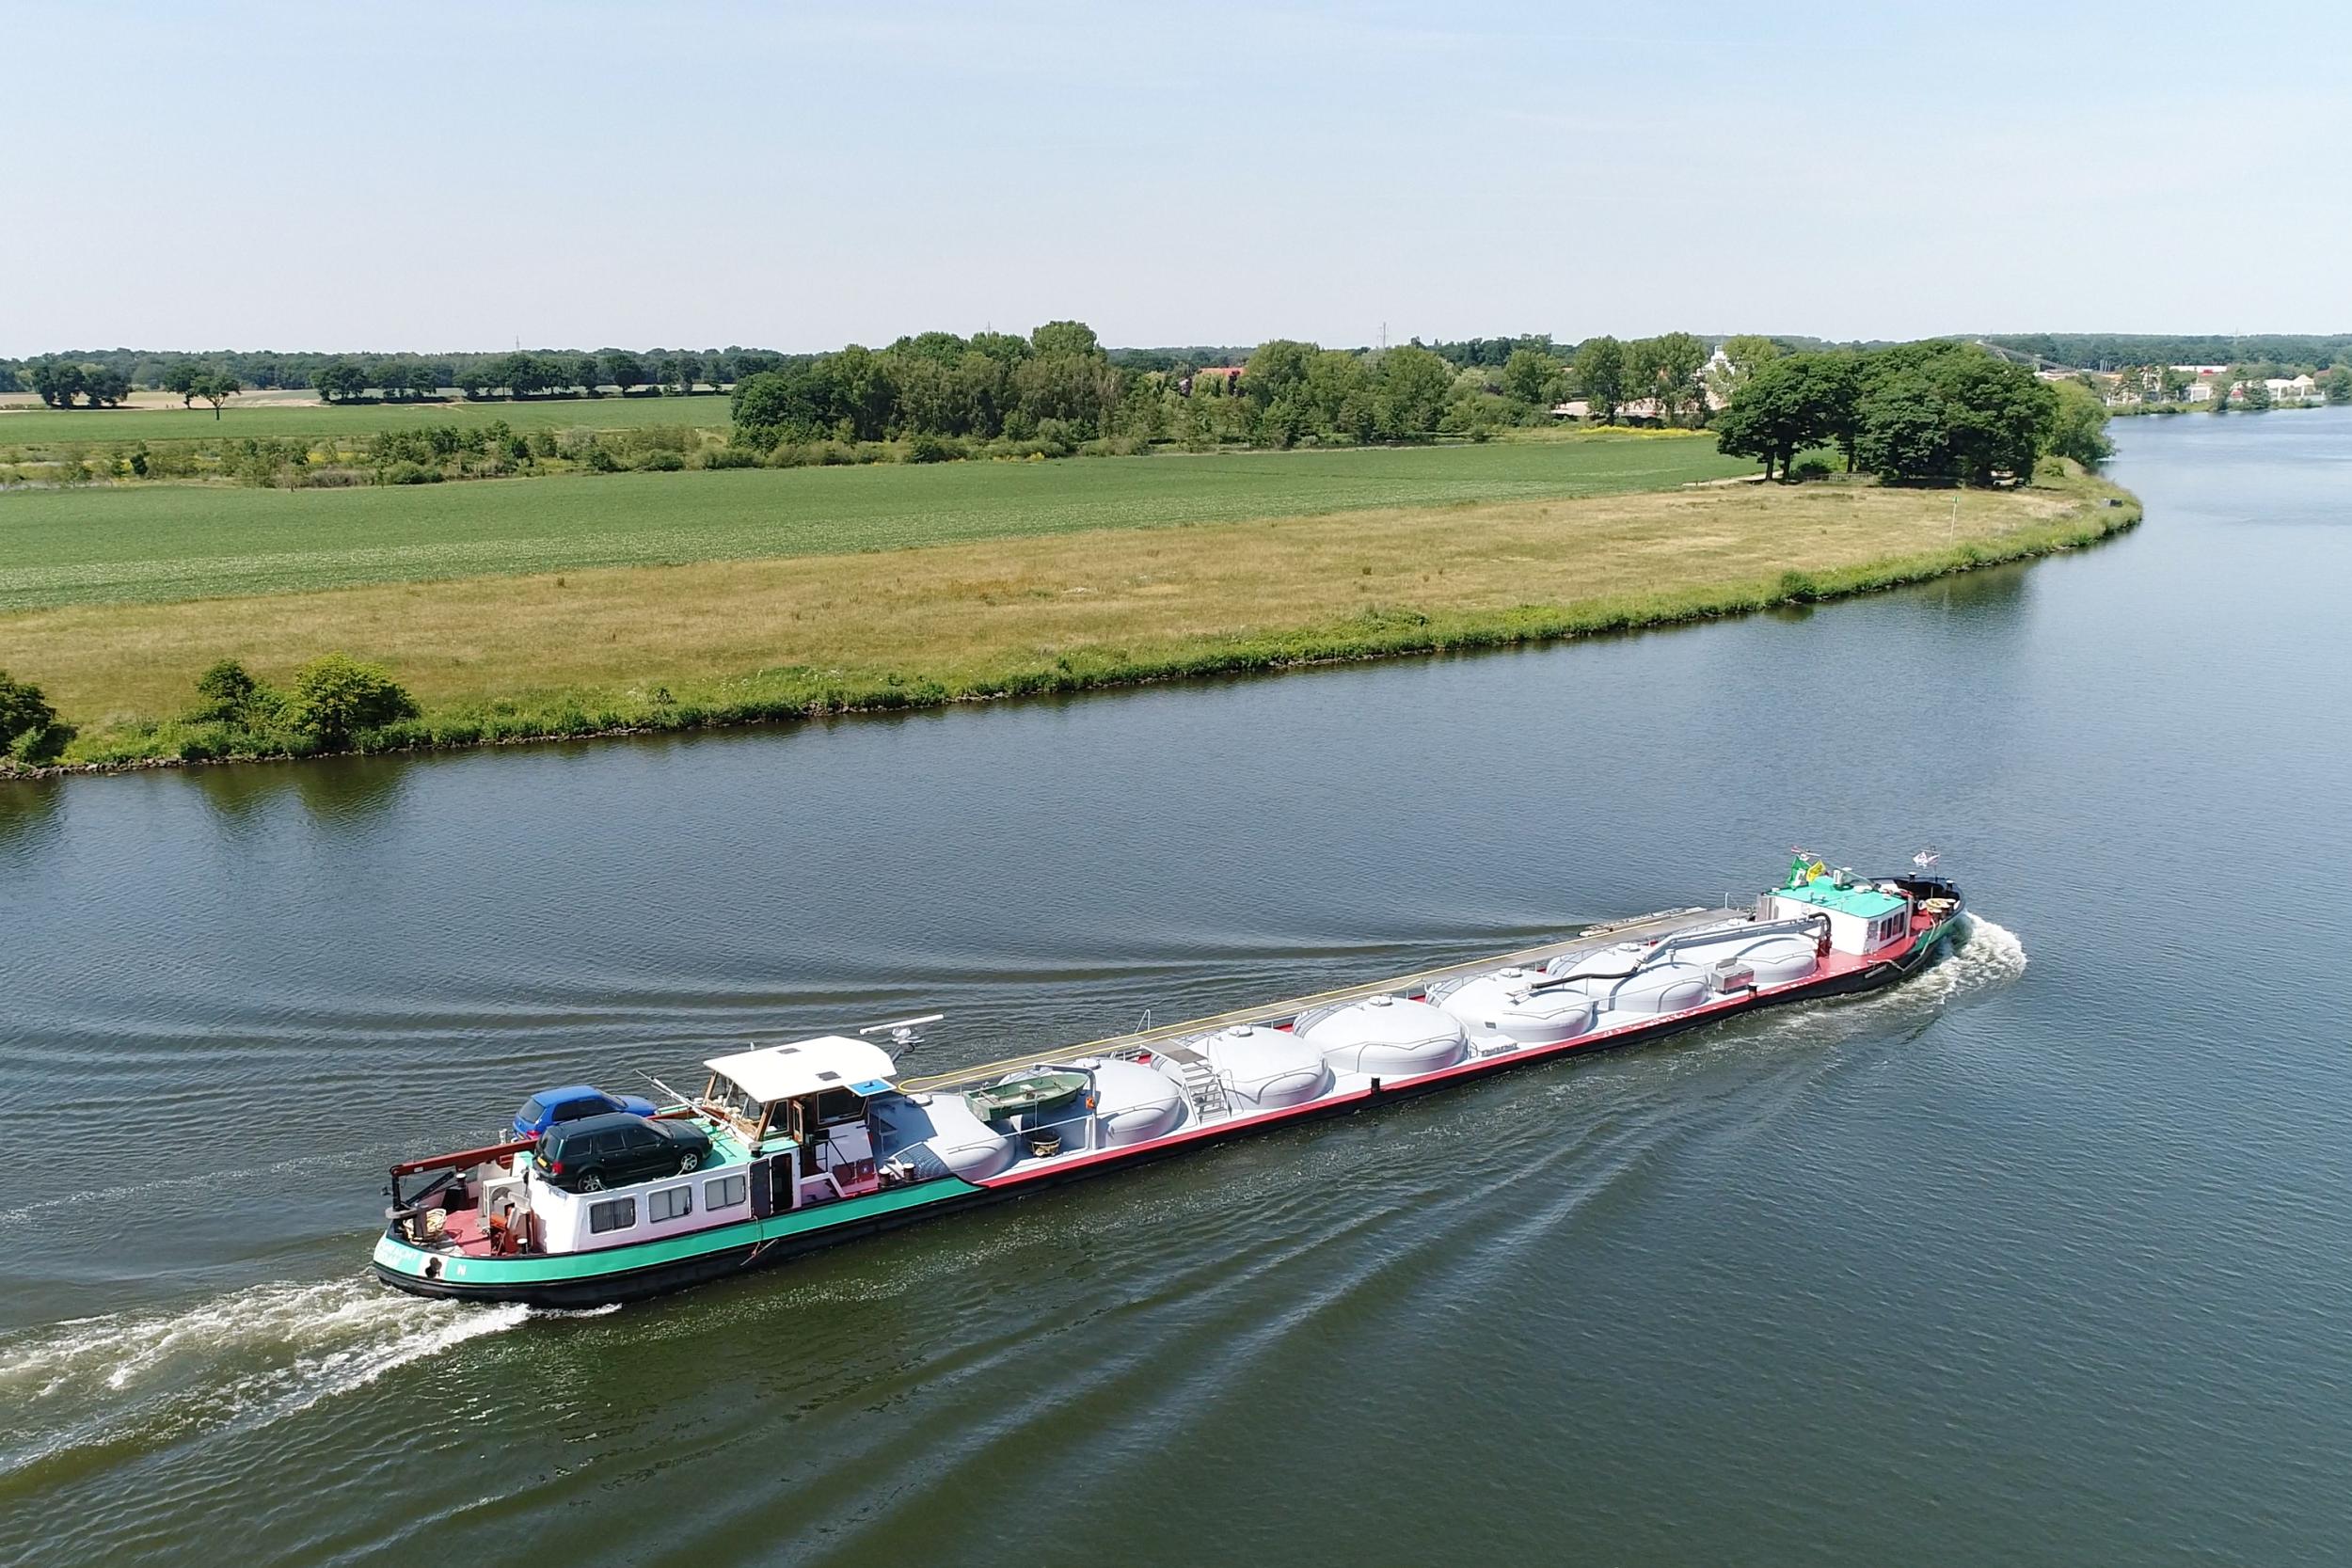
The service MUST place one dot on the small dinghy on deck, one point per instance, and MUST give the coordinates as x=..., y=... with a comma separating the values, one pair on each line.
x=592, y=1197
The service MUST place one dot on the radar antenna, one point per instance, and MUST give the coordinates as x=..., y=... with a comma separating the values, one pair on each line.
x=903, y=1032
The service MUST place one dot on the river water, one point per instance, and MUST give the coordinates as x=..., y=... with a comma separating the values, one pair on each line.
x=2044, y=1257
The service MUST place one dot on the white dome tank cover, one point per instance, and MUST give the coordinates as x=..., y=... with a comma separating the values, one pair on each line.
x=1386, y=1036
x=1133, y=1103
x=1777, y=960
x=1503, y=1011
x=1666, y=988
x=937, y=1134
x=1263, y=1068
x=1613, y=959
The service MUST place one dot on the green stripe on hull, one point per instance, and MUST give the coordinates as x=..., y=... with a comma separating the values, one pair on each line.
x=398, y=1256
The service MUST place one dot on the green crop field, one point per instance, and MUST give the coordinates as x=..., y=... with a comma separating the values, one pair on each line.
x=164, y=542
x=33, y=428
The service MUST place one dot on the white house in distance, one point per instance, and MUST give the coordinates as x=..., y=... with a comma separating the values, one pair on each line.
x=2287, y=391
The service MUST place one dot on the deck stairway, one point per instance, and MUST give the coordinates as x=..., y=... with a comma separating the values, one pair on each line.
x=1202, y=1084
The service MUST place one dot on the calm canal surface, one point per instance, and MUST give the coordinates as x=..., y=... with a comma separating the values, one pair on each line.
x=2043, y=1258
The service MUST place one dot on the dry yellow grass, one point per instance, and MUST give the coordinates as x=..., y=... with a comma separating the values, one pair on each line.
x=949, y=612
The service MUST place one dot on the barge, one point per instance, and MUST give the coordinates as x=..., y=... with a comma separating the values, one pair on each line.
x=796, y=1146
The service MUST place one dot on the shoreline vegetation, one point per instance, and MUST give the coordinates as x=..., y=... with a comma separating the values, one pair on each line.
x=541, y=657
x=324, y=591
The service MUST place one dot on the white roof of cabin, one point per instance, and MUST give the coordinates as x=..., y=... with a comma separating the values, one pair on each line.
x=775, y=1072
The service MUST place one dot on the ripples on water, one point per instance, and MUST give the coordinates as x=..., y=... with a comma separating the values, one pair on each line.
x=2011, y=1263
x=1152, y=1297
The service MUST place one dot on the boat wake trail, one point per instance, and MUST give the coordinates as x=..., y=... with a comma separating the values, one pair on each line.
x=1987, y=956
x=145, y=1380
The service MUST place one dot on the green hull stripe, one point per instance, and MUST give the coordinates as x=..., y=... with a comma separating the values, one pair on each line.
x=398, y=1256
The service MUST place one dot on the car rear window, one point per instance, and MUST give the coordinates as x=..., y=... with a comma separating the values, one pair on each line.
x=531, y=1111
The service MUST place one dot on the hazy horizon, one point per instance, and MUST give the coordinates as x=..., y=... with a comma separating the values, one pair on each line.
x=279, y=177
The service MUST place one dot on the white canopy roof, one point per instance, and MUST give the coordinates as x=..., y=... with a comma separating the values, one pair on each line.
x=775, y=1072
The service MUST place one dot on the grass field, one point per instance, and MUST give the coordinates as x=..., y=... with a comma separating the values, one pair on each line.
x=727, y=641
x=164, y=542
x=35, y=426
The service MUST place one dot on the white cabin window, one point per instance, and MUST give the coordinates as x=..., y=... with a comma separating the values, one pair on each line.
x=727, y=1192
x=618, y=1214
x=670, y=1203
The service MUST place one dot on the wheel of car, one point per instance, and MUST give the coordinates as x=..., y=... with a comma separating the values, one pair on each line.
x=688, y=1164
x=593, y=1181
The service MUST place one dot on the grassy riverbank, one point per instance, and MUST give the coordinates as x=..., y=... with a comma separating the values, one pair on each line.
x=735, y=641
x=160, y=541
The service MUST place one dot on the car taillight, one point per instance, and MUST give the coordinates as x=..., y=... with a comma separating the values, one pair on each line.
x=555, y=1167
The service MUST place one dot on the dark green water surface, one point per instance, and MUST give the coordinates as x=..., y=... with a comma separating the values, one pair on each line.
x=2043, y=1258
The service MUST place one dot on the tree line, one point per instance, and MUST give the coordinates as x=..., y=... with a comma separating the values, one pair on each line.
x=1924, y=411
x=2285, y=353
x=1059, y=386
x=104, y=379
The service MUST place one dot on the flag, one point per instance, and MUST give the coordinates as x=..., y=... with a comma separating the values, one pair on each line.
x=1924, y=859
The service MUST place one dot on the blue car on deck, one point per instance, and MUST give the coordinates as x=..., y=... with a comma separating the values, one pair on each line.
x=571, y=1102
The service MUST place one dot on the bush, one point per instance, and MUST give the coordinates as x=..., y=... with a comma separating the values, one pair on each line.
x=932, y=448
x=726, y=457
x=411, y=473
x=1799, y=587
x=29, y=730
x=336, y=698
x=662, y=461
x=231, y=696
x=1812, y=468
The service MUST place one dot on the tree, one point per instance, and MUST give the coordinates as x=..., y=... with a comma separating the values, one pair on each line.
x=2337, y=383
x=181, y=378
x=1601, y=371
x=29, y=731
x=103, y=385
x=2078, y=427
x=624, y=370
x=216, y=388
x=336, y=698
x=1410, y=386
x=1905, y=431
x=1065, y=337
x=339, y=380
x=1741, y=354
x=2257, y=399
x=791, y=404
x=1999, y=413
x=1533, y=377
x=1665, y=368
x=58, y=382
x=1784, y=406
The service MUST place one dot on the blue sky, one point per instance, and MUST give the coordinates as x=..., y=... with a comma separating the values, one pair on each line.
x=438, y=176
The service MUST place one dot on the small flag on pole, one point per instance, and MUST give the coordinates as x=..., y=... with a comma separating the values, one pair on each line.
x=1924, y=859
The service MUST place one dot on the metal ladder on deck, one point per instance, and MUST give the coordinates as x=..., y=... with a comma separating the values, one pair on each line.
x=1200, y=1084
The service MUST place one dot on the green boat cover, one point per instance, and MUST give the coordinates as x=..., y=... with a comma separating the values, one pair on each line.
x=1039, y=1091
x=1867, y=902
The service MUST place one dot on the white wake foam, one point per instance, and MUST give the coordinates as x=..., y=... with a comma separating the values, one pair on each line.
x=248, y=1357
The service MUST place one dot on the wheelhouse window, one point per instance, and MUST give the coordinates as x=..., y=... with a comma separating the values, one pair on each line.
x=670, y=1203
x=725, y=1192
x=619, y=1213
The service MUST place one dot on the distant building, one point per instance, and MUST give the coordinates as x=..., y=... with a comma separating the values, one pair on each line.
x=2203, y=370
x=1230, y=373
